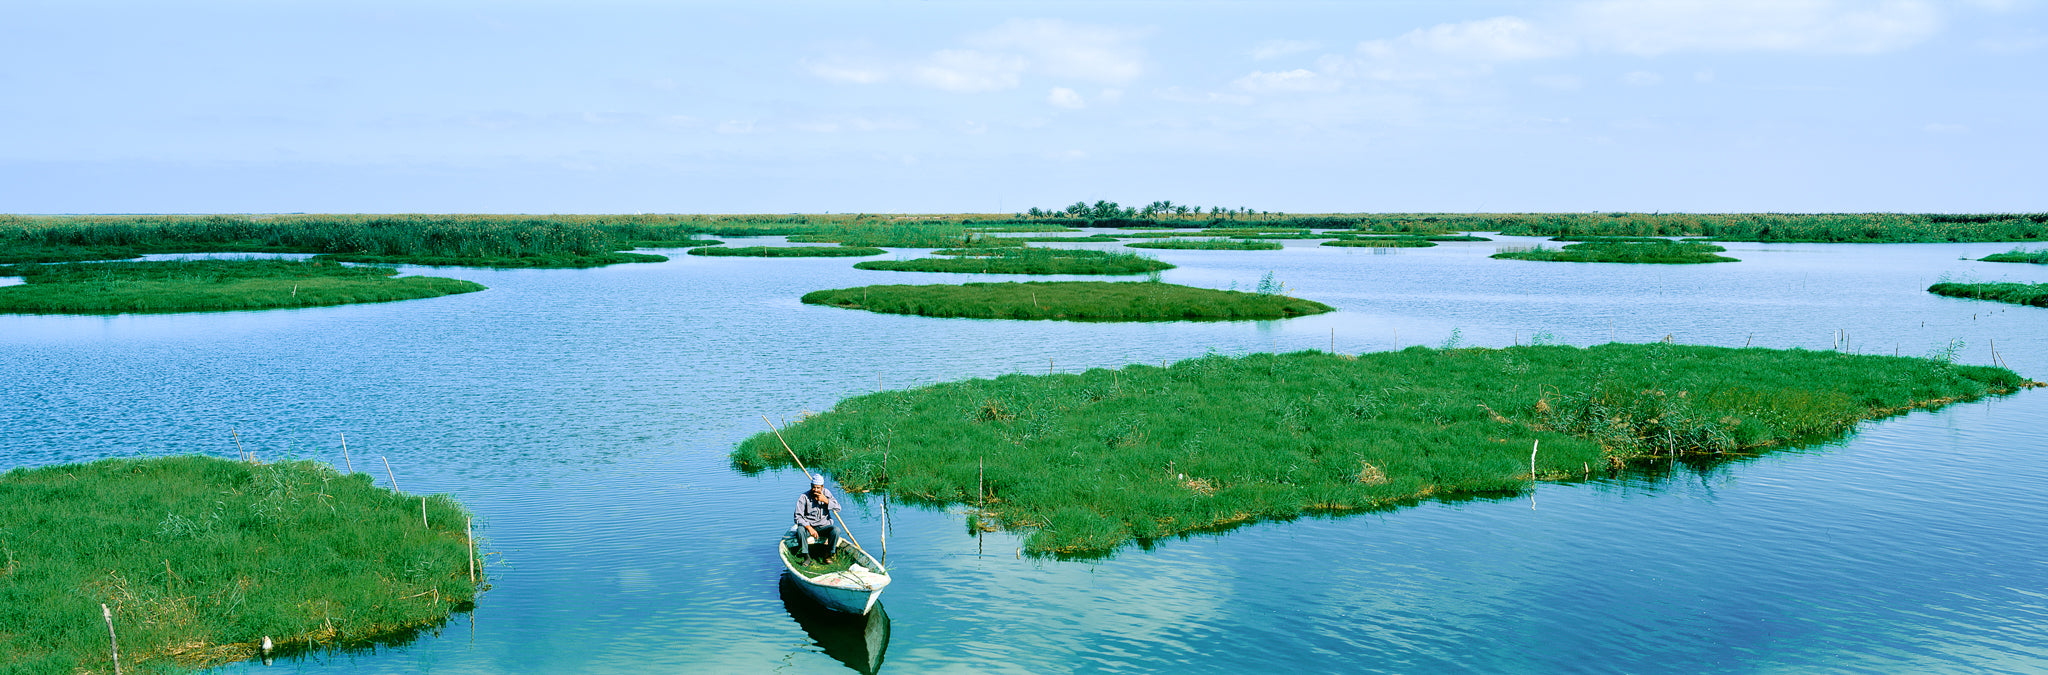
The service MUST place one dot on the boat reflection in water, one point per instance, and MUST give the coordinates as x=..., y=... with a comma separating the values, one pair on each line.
x=855, y=640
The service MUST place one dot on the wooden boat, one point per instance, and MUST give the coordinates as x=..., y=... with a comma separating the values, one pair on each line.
x=853, y=590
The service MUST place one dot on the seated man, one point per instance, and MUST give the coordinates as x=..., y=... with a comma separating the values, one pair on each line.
x=814, y=510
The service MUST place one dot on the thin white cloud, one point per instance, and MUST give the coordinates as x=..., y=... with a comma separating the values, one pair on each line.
x=1069, y=50
x=1297, y=80
x=1641, y=78
x=1066, y=98
x=1653, y=27
x=999, y=59
x=1273, y=49
x=965, y=70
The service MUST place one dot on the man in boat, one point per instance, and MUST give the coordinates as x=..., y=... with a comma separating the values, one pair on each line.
x=814, y=509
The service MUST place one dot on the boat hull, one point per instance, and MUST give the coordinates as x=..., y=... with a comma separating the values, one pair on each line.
x=854, y=591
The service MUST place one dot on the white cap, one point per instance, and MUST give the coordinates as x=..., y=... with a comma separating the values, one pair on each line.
x=817, y=479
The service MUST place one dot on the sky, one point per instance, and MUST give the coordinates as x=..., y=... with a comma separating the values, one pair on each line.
x=992, y=106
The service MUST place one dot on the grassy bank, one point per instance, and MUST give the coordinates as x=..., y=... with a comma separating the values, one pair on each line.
x=209, y=285
x=1659, y=251
x=1088, y=462
x=1381, y=242
x=200, y=559
x=2018, y=255
x=2019, y=294
x=1069, y=301
x=1208, y=245
x=535, y=261
x=468, y=240
x=789, y=251
x=1025, y=261
x=1792, y=227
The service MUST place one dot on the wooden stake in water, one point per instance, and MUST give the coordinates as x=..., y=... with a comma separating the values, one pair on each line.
x=111, y=639
x=387, y=472
x=469, y=532
x=423, y=514
x=1532, y=472
x=238, y=444
x=344, y=453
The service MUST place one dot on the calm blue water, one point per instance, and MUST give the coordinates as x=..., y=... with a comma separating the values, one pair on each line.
x=585, y=416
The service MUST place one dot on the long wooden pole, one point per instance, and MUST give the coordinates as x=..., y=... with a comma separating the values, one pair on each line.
x=807, y=474
x=344, y=453
x=115, y=641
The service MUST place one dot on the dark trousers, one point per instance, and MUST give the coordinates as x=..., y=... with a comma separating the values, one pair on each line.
x=828, y=538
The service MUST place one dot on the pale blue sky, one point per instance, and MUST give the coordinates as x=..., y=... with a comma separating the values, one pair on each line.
x=953, y=105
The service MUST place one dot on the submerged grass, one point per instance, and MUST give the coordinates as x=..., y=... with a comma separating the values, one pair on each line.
x=789, y=251
x=2035, y=295
x=1069, y=301
x=1088, y=462
x=1658, y=251
x=2019, y=255
x=209, y=285
x=1208, y=245
x=201, y=558
x=1024, y=261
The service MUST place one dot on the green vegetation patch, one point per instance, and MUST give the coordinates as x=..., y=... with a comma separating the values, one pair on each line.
x=1092, y=237
x=1028, y=227
x=1208, y=245
x=2019, y=294
x=534, y=261
x=1069, y=301
x=901, y=234
x=790, y=251
x=1381, y=242
x=200, y=559
x=1024, y=261
x=673, y=243
x=1869, y=228
x=1088, y=462
x=210, y=286
x=1661, y=251
x=2018, y=255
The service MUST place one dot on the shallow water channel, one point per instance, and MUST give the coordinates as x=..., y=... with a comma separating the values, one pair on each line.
x=585, y=415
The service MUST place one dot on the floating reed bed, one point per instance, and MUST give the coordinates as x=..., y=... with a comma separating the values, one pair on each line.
x=210, y=286
x=1656, y=251
x=1088, y=462
x=1068, y=301
x=1208, y=245
x=2019, y=255
x=1024, y=261
x=789, y=251
x=1381, y=242
x=199, y=559
x=2035, y=295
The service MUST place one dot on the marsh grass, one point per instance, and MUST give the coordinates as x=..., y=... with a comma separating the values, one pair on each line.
x=1208, y=245
x=673, y=243
x=1381, y=242
x=902, y=234
x=1789, y=227
x=1024, y=261
x=789, y=251
x=210, y=285
x=534, y=261
x=1658, y=251
x=2019, y=255
x=201, y=558
x=1088, y=462
x=2035, y=295
x=1068, y=301
x=1089, y=238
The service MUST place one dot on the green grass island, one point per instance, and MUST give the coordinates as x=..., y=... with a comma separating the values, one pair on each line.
x=209, y=286
x=1068, y=301
x=1208, y=245
x=788, y=251
x=1659, y=251
x=2033, y=295
x=1024, y=261
x=1089, y=462
x=198, y=559
x=2019, y=255
x=1381, y=242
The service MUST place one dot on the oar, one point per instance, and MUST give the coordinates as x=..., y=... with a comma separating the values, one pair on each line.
x=835, y=514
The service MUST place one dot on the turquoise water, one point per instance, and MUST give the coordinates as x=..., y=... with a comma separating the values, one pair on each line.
x=585, y=416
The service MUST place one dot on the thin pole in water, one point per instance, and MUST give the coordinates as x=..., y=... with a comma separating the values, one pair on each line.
x=1532, y=472
x=238, y=444
x=111, y=639
x=387, y=472
x=344, y=453
x=469, y=532
x=423, y=514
